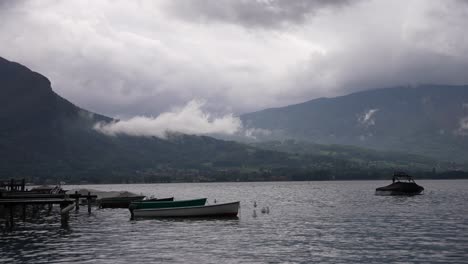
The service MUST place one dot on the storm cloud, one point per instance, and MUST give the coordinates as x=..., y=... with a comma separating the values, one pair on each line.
x=140, y=58
x=253, y=13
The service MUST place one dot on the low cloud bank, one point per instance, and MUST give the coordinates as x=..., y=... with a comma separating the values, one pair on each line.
x=463, y=127
x=190, y=119
x=256, y=133
x=368, y=118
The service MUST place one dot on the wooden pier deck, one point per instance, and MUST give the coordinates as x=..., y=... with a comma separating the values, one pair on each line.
x=16, y=197
x=10, y=202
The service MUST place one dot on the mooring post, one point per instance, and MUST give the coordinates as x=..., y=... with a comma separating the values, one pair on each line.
x=89, y=202
x=12, y=219
x=34, y=210
x=63, y=215
x=24, y=213
x=132, y=215
x=77, y=201
x=49, y=208
x=7, y=220
x=23, y=184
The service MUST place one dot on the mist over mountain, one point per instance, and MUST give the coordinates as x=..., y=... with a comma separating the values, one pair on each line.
x=429, y=120
x=45, y=136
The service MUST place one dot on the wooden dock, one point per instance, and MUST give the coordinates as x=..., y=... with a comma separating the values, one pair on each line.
x=16, y=197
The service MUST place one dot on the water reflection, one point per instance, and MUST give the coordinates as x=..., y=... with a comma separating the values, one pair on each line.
x=224, y=220
x=326, y=222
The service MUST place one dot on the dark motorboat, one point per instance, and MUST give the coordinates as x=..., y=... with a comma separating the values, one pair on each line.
x=118, y=202
x=403, y=184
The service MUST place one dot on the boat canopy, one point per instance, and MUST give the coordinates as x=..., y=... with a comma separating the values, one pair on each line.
x=402, y=176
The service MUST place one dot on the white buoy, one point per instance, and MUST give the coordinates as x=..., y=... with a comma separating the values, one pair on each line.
x=263, y=210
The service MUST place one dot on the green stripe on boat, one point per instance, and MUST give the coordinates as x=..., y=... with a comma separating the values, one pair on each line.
x=167, y=204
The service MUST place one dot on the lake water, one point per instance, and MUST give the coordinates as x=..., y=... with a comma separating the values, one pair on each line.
x=322, y=222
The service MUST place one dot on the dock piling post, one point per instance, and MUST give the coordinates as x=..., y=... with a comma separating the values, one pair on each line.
x=77, y=201
x=89, y=202
x=12, y=217
x=34, y=210
x=24, y=213
x=63, y=215
x=49, y=209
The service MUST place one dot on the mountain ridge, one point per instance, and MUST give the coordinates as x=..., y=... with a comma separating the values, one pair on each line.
x=46, y=138
x=419, y=119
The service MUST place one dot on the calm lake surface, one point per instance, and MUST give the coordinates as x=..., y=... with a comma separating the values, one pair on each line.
x=322, y=222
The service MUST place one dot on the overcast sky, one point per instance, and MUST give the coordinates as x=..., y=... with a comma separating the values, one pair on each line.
x=126, y=58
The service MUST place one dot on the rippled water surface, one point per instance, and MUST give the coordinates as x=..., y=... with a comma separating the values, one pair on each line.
x=322, y=222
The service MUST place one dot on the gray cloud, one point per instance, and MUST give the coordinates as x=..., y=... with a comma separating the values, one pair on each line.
x=7, y=4
x=188, y=120
x=126, y=58
x=253, y=13
x=422, y=43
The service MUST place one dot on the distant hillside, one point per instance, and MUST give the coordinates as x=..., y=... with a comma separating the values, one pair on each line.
x=45, y=138
x=429, y=120
x=365, y=157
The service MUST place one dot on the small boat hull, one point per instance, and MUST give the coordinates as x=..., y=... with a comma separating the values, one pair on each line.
x=400, y=188
x=215, y=210
x=167, y=204
x=118, y=202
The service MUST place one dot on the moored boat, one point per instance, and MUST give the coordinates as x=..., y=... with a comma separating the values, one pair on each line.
x=167, y=204
x=403, y=184
x=118, y=202
x=215, y=210
x=158, y=199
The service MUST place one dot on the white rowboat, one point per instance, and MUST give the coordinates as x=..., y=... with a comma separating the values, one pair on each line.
x=215, y=210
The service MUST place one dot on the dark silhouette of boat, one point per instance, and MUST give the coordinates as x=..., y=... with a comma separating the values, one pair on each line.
x=125, y=201
x=118, y=202
x=166, y=204
x=214, y=210
x=403, y=184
